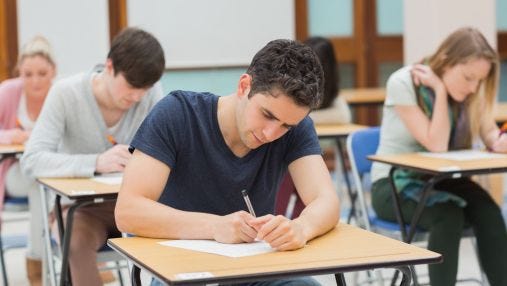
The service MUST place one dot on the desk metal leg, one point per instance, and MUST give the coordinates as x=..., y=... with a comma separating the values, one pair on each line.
x=352, y=195
x=136, y=276
x=2, y=261
x=47, y=236
x=407, y=275
x=65, y=273
x=340, y=279
x=407, y=236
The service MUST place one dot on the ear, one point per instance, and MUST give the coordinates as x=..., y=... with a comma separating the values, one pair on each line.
x=109, y=67
x=244, y=85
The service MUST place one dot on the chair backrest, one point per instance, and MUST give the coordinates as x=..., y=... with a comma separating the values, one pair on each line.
x=288, y=202
x=360, y=145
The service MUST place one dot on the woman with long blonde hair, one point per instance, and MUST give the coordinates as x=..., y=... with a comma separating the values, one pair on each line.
x=444, y=103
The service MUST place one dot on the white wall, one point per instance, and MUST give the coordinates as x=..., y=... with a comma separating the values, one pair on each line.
x=77, y=30
x=204, y=33
x=428, y=22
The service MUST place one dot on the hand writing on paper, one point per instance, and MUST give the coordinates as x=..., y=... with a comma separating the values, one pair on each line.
x=17, y=135
x=233, y=228
x=113, y=160
x=500, y=145
x=280, y=232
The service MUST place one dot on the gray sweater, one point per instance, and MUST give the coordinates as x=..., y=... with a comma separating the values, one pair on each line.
x=71, y=132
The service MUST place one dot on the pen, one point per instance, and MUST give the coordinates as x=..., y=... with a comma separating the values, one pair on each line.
x=248, y=203
x=111, y=139
x=503, y=129
x=18, y=124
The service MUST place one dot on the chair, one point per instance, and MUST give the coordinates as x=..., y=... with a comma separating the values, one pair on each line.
x=13, y=241
x=360, y=145
x=288, y=202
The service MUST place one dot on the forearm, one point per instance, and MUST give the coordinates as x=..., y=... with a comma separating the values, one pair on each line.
x=39, y=163
x=439, y=129
x=161, y=221
x=319, y=216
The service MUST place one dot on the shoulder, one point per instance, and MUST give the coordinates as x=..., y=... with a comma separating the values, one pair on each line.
x=188, y=99
x=10, y=86
x=399, y=87
x=71, y=83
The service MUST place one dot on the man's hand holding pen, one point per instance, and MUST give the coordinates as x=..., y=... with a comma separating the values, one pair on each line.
x=113, y=160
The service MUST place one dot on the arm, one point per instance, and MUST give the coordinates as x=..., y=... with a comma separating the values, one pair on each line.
x=40, y=158
x=138, y=212
x=432, y=133
x=13, y=136
x=492, y=137
x=321, y=213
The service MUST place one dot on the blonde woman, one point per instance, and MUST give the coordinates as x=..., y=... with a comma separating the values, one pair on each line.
x=444, y=103
x=21, y=101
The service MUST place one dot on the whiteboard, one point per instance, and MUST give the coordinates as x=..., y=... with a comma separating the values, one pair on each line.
x=218, y=33
x=77, y=30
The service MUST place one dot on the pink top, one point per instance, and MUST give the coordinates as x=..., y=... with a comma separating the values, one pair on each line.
x=10, y=94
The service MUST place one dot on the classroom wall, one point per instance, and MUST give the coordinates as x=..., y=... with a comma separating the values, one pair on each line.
x=428, y=22
x=218, y=33
x=77, y=30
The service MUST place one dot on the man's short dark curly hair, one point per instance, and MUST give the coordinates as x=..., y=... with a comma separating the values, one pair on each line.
x=289, y=67
x=138, y=56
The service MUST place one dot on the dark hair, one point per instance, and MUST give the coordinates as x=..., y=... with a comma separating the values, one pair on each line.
x=138, y=56
x=324, y=51
x=289, y=67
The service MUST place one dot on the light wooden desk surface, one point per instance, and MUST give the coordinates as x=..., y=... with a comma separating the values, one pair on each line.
x=442, y=166
x=11, y=149
x=75, y=188
x=346, y=248
x=337, y=130
x=501, y=112
x=356, y=96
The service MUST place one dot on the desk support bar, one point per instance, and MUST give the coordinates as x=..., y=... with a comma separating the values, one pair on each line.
x=136, y=276
x=352, y=194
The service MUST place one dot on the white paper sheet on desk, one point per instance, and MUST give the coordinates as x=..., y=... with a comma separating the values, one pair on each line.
x=225, y=249
x=464, y=155
x=110, y=179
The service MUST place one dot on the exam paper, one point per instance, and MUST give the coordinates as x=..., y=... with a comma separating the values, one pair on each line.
x=110, y=179
x=225, y=249
x=464, y=155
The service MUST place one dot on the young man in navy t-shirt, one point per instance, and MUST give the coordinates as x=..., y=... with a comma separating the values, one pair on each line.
x=196, y=152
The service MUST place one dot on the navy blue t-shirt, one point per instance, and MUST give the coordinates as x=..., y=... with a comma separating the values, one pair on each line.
x=182, y=131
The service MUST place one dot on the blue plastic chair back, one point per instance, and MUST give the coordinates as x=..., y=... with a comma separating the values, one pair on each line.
x=364, y=143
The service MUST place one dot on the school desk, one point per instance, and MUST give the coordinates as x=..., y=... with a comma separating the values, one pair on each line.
x=366, y=104
x=364, y=96
x=84, y=191
x=439, y=169
x=11, y=150
x=339, y=132
x=345, y=248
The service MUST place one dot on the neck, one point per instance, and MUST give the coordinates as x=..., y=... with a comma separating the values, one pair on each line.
x=34, y=106
x=100, y=92
x=227, y=122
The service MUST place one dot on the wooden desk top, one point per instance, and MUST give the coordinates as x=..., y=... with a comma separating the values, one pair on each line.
x=345, y=248
x=432, y=165
x=76, y=188
x=355, y=96
x=11, y=149
x=501, y=112
x=337, y=130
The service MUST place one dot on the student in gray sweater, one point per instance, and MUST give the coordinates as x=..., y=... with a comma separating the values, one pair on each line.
x=85, y=127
